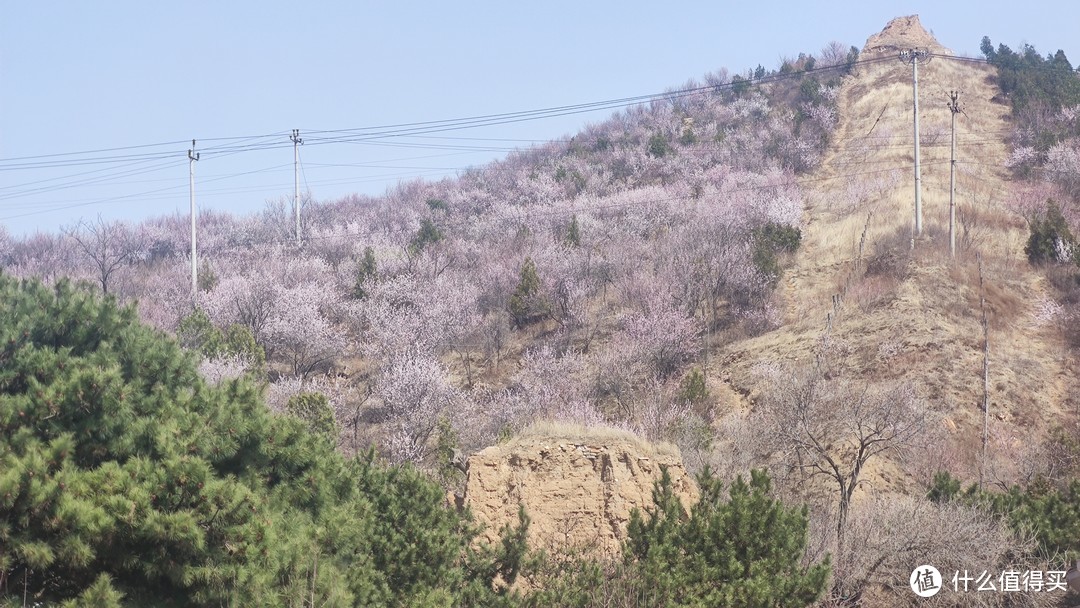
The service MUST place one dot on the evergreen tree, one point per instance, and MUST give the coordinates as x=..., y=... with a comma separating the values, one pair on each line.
x=125, y=480
x=366, y=273
x=428, y=234
x=198, y=333
x=1049, y=513
x=693, y=387
x=1050, y=240
x=315, y=411
x=527, y=303
x=744, y=551
x=573, y=233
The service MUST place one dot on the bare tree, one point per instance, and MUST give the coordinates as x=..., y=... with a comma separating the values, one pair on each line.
x=888, y=534
x=108, y=245
x=833, y=429
x=833, y=53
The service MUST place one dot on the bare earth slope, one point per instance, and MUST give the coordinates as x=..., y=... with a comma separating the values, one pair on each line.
x=914, y=316
x=577, y=485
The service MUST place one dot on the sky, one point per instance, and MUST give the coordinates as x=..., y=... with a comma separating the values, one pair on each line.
x=81, y=76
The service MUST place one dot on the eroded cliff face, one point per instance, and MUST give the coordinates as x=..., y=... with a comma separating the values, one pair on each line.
x=577, y=490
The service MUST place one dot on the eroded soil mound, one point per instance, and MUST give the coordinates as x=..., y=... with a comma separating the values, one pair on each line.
x=577, y=485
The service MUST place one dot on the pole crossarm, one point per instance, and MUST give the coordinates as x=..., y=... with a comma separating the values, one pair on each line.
x=954, y=108
x=192, y=157
x=297, y=141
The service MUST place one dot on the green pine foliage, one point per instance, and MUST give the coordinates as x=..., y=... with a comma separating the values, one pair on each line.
x=1035, y=87
x=365, y=274
x=196, y=332
x=742, y=551
x=1030, y=80
x=1050, y=237
x=573, y=233
x=207, y=278
x=527, y=303
x=771, y=241
x=659, y=147
x=693, y=388
x=1050, y=514
x=428, y=234
x=126, y=480
x=314, y=410
x=241, y=342
x=446, y=446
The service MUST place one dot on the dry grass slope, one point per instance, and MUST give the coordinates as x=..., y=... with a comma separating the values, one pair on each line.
x=914, y=316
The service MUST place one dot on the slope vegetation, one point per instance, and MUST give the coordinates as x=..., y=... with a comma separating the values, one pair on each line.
x=878, y=311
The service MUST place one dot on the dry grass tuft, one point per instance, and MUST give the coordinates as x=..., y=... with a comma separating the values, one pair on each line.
x=602, y=435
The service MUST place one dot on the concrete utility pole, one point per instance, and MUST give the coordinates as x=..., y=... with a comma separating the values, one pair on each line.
x=954, y=106
x=986, y=370
x=912, y=56
x=192, y=157
x=296, y=141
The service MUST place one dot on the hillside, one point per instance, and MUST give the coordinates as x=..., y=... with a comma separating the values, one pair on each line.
x=914, y=316
x=730, y=267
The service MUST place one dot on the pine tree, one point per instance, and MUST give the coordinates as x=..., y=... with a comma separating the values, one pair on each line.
x=527, y=303
x=744, y=551
x=1050, y=240
x=315, y=411
x=573, y=233
x=366, y=273
x=125, y=480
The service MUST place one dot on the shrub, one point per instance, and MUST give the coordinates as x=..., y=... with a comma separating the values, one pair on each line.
x=573, y=233
x=198, y=333
x=428, y=234
x=693, y=388
x=770, y=240
x=365, y=273
x=659, y=147
x=1051, y=241
x=1051, y=514
x=315, y=412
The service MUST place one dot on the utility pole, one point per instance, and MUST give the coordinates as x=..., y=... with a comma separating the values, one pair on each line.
x=986, y=371
x=296, y=141
x=954, y=107
x=192, y=157
x=912, y=56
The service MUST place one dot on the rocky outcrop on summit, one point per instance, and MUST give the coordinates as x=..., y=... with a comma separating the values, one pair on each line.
x=578, y=486
x=903, y=33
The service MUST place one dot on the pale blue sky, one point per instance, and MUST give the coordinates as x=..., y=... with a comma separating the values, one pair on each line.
x=91, y=75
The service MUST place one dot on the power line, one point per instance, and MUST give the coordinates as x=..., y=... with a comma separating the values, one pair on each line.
x=132, y=164
x=397, y=130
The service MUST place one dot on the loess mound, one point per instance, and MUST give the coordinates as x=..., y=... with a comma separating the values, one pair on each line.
x=578, y=485
x=903, y=33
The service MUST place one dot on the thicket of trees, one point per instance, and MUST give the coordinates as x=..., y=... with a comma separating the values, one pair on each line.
x=745, y=551
x=1044, y=93
x=127, y=480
